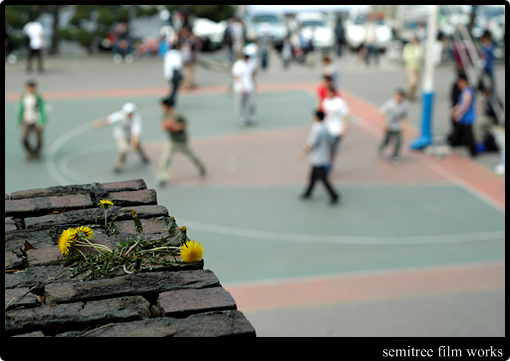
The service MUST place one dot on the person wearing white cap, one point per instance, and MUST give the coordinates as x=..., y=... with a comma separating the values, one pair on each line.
x=243, y=72
x=126, y=132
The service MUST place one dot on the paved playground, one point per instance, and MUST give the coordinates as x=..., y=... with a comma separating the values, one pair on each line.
x=414, y=250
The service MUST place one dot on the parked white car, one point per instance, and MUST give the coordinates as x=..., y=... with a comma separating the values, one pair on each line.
x=210, y=33
x=355, y=31
x=313, y=26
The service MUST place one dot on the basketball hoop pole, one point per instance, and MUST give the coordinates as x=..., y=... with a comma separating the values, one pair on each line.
x=425, y=138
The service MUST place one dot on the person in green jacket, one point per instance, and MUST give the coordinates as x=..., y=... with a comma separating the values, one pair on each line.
x=32, y=118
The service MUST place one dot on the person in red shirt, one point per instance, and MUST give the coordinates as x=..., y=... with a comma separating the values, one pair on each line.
x=322, y=91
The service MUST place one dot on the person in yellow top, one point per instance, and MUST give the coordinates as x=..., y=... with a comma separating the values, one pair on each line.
x=412, y=54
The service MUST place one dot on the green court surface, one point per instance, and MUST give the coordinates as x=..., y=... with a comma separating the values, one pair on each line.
x=255, y=228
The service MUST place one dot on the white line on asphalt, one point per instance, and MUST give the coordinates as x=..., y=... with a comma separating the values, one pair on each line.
x=352, y=240
x=63, y=139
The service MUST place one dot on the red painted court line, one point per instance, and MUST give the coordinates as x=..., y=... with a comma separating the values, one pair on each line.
x=114, y=93
x=366, y=287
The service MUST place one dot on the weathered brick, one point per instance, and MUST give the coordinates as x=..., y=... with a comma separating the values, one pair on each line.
x=132, y=198
x=91, y=215
x=209, y=324
x=180, y=303
x=41, y=205
x=154, y=225
x=10, y=227
x=130, y=185
x=76, y=315
x=75, y=218
x=33, y=275
x=129, y=285
x=55, y=191
x=37, y=238
x=12, y=261
x=29, y=300
x=43, y=256
x=152, y=327
x=214, y=324
x=40, y=318
x=9, y=224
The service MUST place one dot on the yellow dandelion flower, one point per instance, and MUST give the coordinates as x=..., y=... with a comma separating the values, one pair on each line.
x=65, y=242
x=105, y=203
x=88, y=232
x=192, y=251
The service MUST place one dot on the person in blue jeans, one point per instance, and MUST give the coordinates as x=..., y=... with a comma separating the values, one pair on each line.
x=465, y=115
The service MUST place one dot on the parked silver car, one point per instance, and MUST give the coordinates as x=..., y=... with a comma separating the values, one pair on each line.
x=275, y=24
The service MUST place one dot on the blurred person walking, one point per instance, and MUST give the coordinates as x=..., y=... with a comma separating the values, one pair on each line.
x=32, y=118
x=331, y=71
x=395, y=113
x=243, y=72
x=126, y=132
x=464, y=113
x=486, y=65
x=318, y=147
x=174, y=123
x=190, y=46
x=238, y=37
x=322, y=90
x=453, y=139
x=287, y=51
x=36, y=43
x=412, y=55
x=172, y=66
x=337, y=115
x=340, y=36
x=370, y=41
x=265, y=45
x=122, y=46
x=228, y=40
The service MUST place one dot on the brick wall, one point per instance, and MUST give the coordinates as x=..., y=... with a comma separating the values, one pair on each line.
x=178, y=300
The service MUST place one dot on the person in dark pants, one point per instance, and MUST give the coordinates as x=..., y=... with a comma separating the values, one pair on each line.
x=35, y=33
x=453, y=139
x=318, y=146
x=172, y=66
x=465, y=115
x=31, y=118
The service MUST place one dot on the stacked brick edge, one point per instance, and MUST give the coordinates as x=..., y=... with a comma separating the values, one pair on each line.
x=181, y=300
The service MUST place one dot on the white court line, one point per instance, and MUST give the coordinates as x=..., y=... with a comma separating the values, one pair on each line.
x=64, y=162
x=57, y=144
x=352, y=240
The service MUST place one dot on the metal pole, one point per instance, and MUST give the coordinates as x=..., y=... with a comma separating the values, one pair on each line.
x=428, y=83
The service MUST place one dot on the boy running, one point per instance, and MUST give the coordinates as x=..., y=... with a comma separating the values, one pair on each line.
x=394, y=112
